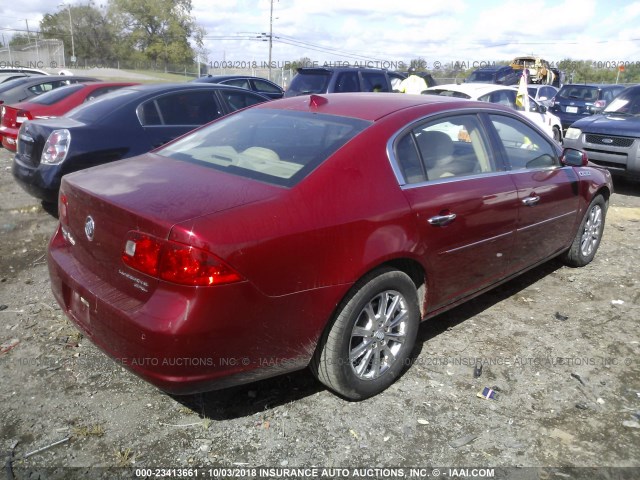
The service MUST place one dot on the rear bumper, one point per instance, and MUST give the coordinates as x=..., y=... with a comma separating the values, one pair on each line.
x=185, y=339
x=42, y=182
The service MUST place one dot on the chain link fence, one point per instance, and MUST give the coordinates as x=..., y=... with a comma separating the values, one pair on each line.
x=41, y=54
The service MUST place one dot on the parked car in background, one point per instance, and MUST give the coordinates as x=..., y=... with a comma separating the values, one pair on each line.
x=23, y=70
x=539, y=69
x=503, y=95
x=612, y=139
x=21, y=89
x=257, y=84
x=338, y=80
x=49, y=105
x=211, y=246
x=575, y=101
x=543, y=94
x=498, y=74
x=121, y=124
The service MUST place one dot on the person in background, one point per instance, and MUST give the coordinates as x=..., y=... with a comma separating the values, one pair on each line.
x=413, y=83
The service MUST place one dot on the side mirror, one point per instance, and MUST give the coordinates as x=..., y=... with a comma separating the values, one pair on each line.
x=574, y=158
x=542, y=108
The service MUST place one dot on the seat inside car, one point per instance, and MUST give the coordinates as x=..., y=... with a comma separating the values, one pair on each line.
x=437, y=152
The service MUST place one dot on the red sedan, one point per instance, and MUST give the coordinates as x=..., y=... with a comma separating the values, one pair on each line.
x=49, y=105
x=314, y=231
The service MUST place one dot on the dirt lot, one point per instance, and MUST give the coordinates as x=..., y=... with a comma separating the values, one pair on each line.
x=561, y=345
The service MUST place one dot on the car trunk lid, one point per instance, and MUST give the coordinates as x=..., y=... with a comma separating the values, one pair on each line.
x=148, y=194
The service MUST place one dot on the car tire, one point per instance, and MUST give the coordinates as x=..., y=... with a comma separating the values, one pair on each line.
x=588, y=237
x=371, y=338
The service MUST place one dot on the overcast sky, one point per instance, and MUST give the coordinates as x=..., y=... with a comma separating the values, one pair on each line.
x=388, y=31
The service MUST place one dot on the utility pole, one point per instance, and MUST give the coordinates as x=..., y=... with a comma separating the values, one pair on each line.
x=73, y=47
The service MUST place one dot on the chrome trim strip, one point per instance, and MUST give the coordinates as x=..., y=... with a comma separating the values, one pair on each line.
x=573, y=212
x=477, y=243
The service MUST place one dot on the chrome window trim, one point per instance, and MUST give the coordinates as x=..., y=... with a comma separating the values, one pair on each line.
x=395, y=165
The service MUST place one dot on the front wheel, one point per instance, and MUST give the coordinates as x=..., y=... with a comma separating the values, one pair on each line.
x=371, y=337
x=587, y=239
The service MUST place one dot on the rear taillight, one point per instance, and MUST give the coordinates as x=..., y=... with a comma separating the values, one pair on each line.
x=56, y=147
x=23, y=115
x=63, y=205
x=176, y=262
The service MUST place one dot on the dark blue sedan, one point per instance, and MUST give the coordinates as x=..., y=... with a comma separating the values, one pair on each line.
x=121, y=124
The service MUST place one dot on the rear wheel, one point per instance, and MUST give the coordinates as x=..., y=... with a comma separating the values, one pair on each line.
x=371, y=338
x=587, y=239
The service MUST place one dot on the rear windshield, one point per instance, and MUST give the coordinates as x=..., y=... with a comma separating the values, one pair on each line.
x=102, y=106
x=309, y=82
x=56, y=95
x=579, y=92
x=274, y=146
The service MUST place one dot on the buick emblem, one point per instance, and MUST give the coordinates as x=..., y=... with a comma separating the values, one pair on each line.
x=89, y=228
x=607, y=140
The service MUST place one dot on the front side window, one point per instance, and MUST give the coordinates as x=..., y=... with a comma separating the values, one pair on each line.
x=238, y=100
x=452, y=147
x=525, y=148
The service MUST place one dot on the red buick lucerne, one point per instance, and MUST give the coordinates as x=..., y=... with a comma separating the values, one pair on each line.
x=314, y=231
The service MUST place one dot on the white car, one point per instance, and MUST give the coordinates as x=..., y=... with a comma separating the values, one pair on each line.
x=504, y=95
x=543, y=94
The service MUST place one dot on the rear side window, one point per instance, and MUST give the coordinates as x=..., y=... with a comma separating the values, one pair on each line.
x=451, y=147
x=275, y=146
x=262, y=86
x=525, y=148
x=347, y=82
x=182, y=108
x=374, y=82
x=238, y=82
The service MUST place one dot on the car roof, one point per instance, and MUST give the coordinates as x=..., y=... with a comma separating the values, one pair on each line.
x=232, y=77
x=369, y=106
x=28, y=81
x=338, y=69
x=594, y=85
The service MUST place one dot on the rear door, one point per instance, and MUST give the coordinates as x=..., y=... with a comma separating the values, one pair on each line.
x=464, y=204
x=548, y=194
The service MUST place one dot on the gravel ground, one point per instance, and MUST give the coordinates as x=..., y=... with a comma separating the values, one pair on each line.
x=559, y=345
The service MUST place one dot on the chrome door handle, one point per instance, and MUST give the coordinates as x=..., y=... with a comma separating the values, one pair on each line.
x=440, y=220
x=531, y=201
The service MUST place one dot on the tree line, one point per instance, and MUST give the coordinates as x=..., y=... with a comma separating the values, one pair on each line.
x=151, y=31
